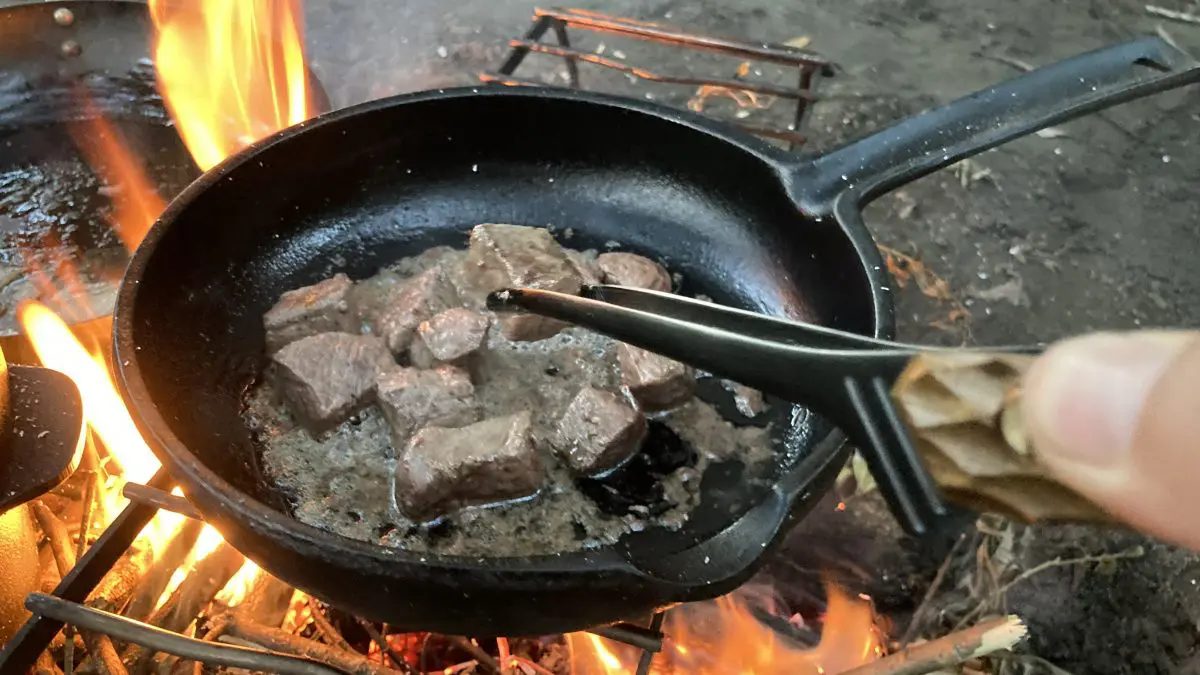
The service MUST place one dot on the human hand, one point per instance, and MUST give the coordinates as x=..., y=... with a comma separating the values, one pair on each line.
x=1116, y=416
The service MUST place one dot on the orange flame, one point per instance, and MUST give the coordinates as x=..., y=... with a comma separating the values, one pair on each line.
x=230, y=71
x=724, y=636
x=57, y=348
x=136, y=203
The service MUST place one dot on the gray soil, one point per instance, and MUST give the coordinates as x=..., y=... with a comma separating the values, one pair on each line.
x=342, y=482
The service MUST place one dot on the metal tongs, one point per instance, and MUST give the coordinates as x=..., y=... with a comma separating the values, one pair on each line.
x=843, y=376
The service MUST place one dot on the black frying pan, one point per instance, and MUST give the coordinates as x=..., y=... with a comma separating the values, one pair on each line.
x=743, y=222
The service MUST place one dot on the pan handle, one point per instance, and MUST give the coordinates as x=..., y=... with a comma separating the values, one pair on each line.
x=937, y=138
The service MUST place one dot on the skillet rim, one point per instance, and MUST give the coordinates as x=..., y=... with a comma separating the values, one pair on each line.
x=258, y=518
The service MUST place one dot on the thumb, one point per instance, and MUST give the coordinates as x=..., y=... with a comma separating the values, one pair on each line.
x=1117, y=417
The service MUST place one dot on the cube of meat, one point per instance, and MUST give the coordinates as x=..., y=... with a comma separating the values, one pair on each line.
x=598, y=431
x=324, y=378
x=411, y=399
x=446, y=469
x=629, y=269
x=506, y=256
x=587, y=265
x=449, y=337
x=320, y=308
x=747, y=400
x=408, y=304
x=658, y=383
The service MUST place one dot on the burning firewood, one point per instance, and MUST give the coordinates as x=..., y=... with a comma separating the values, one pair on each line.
x=194, y=594
x=155, y=581
x=965, y=416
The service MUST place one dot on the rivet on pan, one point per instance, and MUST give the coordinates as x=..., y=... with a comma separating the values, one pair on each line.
x=70, y=48
x=64, y=16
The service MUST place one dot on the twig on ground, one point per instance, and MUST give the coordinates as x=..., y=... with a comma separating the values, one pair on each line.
x=950, y=650
x=1008, y=61
x=1002, y=590
x=914, y=625
x=157, y=639
x=1173, y=15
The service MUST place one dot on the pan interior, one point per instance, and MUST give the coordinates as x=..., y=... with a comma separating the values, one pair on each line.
x=359, y=191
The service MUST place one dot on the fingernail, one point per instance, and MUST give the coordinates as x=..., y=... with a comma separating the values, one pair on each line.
x=1084, y=397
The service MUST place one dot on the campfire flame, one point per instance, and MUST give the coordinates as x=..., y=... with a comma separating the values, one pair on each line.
x=230, y=71
x=725, y=636
x=136, y=204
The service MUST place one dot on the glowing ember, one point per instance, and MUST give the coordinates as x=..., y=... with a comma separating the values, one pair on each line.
x=724, y=636
x=230, y=71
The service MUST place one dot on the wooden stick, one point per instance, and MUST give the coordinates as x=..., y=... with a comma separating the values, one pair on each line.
x=158, y=575
x=193, y=595
x=332, y=635
x=273, y=638
x=1173, y=15
x=385, y=649
x=104, y=654
x=165, y=641
x=267, y=601
x=950, y=650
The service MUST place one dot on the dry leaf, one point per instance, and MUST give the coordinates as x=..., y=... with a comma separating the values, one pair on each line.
x=964, y=412
x=799, y=42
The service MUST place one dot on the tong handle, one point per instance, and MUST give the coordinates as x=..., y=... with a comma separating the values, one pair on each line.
x=963, y=411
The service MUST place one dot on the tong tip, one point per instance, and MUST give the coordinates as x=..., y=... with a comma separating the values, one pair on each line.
x=505, y=300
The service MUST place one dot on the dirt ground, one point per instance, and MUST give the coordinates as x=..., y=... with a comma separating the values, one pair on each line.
x=1089, y=227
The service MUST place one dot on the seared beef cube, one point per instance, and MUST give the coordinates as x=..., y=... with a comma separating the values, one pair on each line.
x=411, y=398
x=598, y=431
x=629, y=269
x=446, y=469
x=320, y=308
x=324, y=378
x=508, y=256
x=410, y=303
x=587, y=265
x=449, y=337
x=658, y=383
x=748, y=401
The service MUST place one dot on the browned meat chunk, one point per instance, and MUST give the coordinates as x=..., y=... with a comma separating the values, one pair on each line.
x=598, y=431
x=446, y=469
x=408, y=304
x=324, y=378
x=587, y=265
x=629, y=269
x=320, y=308
x=411, y=398
x=449, y=337
x=658, y=383
x=748, y=401
x=507, y=256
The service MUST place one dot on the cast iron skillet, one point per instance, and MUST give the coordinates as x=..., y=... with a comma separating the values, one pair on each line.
x=359, y=188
